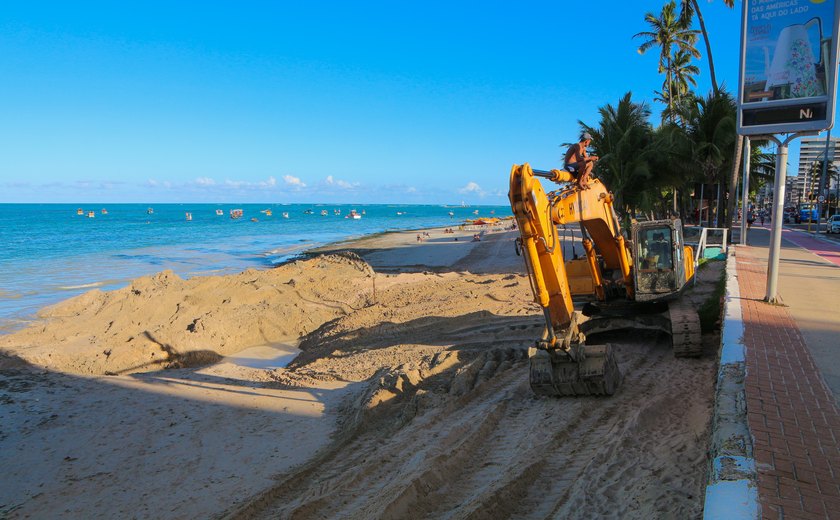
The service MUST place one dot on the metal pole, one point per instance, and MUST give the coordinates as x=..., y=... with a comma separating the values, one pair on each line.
x=822, y=180
x=778, y=211
x=745, y=191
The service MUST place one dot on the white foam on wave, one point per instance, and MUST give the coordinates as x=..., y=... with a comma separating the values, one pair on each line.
x=82, y=286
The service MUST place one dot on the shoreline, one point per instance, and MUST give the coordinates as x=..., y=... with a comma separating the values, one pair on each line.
x=62, y=291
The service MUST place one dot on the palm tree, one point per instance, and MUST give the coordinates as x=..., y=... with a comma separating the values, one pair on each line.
x=711, y=128
x=623, y=141
x=668, y=32
x=682, y=73
x=688, y=8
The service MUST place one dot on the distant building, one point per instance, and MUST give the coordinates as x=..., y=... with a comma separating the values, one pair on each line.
x=812, y=149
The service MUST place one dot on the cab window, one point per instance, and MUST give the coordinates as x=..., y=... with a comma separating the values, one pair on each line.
x=655, y=249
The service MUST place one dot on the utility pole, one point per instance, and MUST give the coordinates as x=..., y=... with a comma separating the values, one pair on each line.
x=822, y=180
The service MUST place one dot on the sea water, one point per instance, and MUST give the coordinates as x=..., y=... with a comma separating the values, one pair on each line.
x=51, y=253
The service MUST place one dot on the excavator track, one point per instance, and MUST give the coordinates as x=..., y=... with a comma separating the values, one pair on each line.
x=685, y=331
x=553, y=373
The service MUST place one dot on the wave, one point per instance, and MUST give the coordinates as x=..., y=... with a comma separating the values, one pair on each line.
x=81, y=286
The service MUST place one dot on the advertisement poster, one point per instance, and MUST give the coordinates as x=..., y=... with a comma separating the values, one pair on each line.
x=788, y=66
x=788, y=49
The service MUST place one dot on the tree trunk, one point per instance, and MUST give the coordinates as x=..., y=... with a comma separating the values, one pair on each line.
x=708, y=45
x=733, y=181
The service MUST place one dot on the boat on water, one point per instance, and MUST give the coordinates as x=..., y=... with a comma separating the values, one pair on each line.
x=267, y=212
x=254, y=219
x=285, y=214
x=353, y=214
x=189, y=216
x=451, y=214
x=91, y=214
x=323, y=213
x=400, y=212
x=150, y=211
x=80, y=211
x=236, y=213
x=219, y=212
x=337, y=211
x=104, y=211
x=307, y=212
x=475, y=212
x=363, y=212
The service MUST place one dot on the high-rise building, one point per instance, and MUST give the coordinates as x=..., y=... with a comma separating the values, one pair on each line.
x=811, y=151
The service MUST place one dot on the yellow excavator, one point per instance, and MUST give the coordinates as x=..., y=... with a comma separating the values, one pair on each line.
x=627, y=282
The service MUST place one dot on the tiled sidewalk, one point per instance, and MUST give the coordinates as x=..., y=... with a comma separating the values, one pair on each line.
x=791, y=413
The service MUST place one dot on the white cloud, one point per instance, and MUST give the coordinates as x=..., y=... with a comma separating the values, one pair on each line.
x=151, y=182
x=205, y=181
x=332, y=181
x=269, y=183
x=471, y=187
x=291, y=180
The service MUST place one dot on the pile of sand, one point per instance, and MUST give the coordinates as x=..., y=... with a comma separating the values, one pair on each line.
x=163, y=321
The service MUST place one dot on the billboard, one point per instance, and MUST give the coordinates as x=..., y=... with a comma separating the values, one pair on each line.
x=788, y=77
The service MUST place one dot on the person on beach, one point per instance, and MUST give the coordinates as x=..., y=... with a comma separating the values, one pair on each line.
x=578, y=162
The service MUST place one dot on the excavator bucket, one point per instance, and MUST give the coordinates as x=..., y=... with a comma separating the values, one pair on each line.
x=556, y=373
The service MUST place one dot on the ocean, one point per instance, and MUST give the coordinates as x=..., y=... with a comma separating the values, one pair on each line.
x=51, y=253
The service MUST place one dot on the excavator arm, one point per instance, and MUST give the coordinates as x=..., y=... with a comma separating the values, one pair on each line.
x=539, y=213
x=561, y=363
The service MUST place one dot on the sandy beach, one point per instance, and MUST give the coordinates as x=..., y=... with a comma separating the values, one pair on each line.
x=407, y=397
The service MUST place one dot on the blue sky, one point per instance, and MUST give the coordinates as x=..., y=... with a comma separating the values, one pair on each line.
x=365, y=102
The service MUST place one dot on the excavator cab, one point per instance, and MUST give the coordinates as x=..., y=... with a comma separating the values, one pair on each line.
x=661, y=265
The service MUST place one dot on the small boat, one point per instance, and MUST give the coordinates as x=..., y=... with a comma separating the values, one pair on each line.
x=219, y=212
x=323, y=213
x=337, y=212
x=254, y=219
x=363, y=212
x=285, y=214
x=236, y=213
x=80, y=211
x=91, y=214
x=104, y=211
x=353, y=214
x=492, y=211
x=451, y=214
x=267, y=212
x=307, y=212
x=400, y=212
x=150, y=211
x=475, y=212
x=189, y=216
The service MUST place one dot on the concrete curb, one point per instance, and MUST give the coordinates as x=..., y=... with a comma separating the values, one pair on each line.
x=731, y=492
